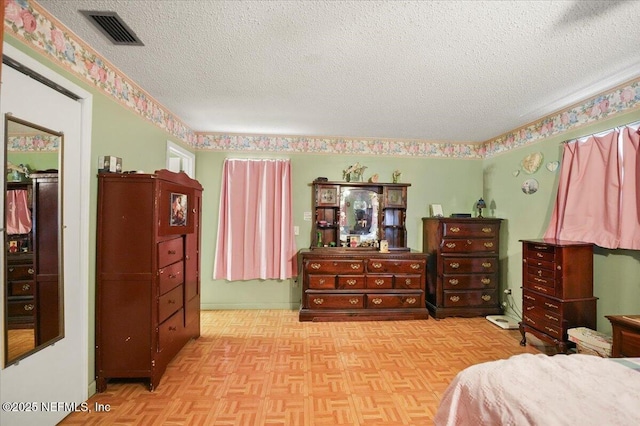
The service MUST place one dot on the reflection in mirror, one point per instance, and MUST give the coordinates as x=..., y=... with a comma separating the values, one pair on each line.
x=33, y=242
x=358, y=215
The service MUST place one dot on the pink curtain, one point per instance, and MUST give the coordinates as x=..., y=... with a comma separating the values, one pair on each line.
x=18, y=213
x=588, y=201
x=598, y=197
x=255, y=224
x=630, y=207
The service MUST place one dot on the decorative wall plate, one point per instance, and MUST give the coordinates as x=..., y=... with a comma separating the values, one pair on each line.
x=530, y=186
x=532, y=162
x=552, y=166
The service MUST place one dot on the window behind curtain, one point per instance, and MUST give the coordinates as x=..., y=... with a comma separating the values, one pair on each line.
x=255, y=223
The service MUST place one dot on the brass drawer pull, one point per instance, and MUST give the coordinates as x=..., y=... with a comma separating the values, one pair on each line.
x=351, y=282
x=454, y=265
x=529, y=319
x=530, y=308
x=454, y=229
x=539, y=255
x=540, y=280
x=321, y=281
x=542, y=289
x=315, y=266
x=376, y=265
x=29, y=307
x=407, y=281
x=415, y=266
x=379, y=281
x=488, y=245
x=11, y=269
x=354, y=301
x=376, y=301
x=551, y=305
x=318, y=301
x=526, y=296
x=486, y=281
x=450, y=245
x=31, y=271
x=486, y=297
x=355, y=266
x=453, y=281
x=541, y=247
x=539, y=272
x=551, y=317
x=551, y=330
x=487, y=230
x=171, y=252
x=411, y=300
x=454, y=298
x=26, y=287
x=486, y=264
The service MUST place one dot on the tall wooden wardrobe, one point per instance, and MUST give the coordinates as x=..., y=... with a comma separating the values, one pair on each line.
x=148, y=272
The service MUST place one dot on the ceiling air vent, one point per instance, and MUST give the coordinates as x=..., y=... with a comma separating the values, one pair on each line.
x=111, y=25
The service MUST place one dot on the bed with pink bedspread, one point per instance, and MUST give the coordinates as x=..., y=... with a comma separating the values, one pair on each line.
x=530, y=389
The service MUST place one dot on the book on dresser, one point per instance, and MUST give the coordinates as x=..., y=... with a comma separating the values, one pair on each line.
x=147, y=273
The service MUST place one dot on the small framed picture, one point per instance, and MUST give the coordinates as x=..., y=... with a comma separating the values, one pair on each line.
x=179, y=205
x=395, y=197
x=327, y=195
x=436, y=210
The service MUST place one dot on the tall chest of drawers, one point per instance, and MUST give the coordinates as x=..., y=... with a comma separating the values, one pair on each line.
x=557, y=289
x=147, y=273
x=21, y=304
x=345, y=285
x=464, y=271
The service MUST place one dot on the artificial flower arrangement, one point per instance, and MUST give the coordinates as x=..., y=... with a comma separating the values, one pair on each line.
x=357, y=170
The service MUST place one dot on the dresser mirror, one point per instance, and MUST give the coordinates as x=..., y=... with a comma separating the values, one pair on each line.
x=359, y=215
x=33, y=285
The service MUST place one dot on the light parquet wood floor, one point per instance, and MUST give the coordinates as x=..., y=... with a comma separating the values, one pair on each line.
x=263, y=367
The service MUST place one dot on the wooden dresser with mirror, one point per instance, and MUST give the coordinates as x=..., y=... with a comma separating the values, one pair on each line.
x=345, y=274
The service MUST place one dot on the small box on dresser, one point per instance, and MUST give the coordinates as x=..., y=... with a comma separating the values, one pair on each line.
x=463, y=276
x=557, y=290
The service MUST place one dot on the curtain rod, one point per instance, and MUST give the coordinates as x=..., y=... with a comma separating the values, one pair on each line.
x=633, y=123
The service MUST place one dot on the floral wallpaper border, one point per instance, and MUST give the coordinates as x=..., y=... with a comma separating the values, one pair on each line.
x=37, y=143
x=33, y=25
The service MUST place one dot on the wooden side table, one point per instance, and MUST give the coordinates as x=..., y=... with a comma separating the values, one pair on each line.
x=626, y=335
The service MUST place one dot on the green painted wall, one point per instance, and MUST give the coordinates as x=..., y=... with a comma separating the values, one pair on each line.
x=616, y=272
x=456, y=184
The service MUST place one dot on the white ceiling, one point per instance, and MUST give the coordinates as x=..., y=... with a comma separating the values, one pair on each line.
x=457, y=71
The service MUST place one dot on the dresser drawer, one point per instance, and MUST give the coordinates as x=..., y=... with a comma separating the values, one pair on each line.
x=379, y=281
x=546, y=255
x=170, y=251
x=469, y=245
x=543, y=303
x=20, y=288
x=385, y=301
x=406, y=281
x=322, y=281
x=21, y=308
x=169, y=330
x=20, y=272
x=541, y=272
x=346, y=282
x=542, y=285
x=535, y=311
x=462, y=265
x=335, y=301
x=170, y=302
x=629, y=343
x=541, y=251
x=461, y=229
x=171, y=276
x=469, y=282
x=334, y=266
x=470, y=298
x=395, y=266
x=552, y=329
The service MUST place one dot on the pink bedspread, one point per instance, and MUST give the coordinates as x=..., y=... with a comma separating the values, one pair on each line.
x=544, y=390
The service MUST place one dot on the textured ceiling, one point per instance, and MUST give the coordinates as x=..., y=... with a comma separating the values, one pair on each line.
x=457, y=71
